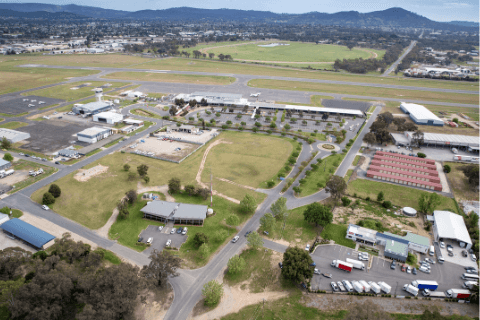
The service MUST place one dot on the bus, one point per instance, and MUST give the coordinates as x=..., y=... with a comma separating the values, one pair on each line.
x=470, y=277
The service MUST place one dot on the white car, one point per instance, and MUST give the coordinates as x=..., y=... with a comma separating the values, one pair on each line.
x=150, y=240
x=169, y=242
x=44, y=207
x=316, y=271
x=235, y=239
x=255, y=94
x=442, y=244
x=172, y=231
x=409, y=269
x=160, y=228
x=307, y=248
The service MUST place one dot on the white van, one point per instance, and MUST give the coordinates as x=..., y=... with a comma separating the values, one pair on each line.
x=431, y=251
x=347, y=285
x=441, y=260
x=184, y=231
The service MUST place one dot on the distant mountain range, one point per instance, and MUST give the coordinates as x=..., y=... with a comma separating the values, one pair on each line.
x=40, y=15
x=393, y=17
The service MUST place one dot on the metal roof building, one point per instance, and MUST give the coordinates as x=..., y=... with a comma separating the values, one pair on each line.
x=449, y=225
x=68, y=153
x=3, y=218
x=13, y=136
x=179, y=213
x=395, y=247
x=361, y=234
x=450, y=140
x=215, y=98
x=26, y=232
x=307, y=109
x=4, y=164
x=92, y=107
x=94, y=134
x=108, y=117
x=421, y=115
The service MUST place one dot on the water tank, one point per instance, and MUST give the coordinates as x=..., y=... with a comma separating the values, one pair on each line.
x=409, y=212
x=209, y=211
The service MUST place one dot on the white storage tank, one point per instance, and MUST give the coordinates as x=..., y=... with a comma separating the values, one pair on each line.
x=410, y=212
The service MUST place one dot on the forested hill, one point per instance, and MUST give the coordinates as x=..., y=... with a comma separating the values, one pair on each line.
x=393, y=17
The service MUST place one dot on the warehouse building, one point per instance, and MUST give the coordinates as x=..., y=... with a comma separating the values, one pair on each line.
x=92, y=107
x=448, y=225
x=26, y=232
x=108, y=117
x=421, y=115
x=439, y=140
x=361, y=234
x=13, y=136
x=179, y=213
x=4, y=164
x=94, y=134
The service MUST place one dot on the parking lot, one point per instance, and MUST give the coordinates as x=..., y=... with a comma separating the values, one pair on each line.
x=164, y=149
x=7, y=242
x=457, y=257
x=448, y=275
x=17, y=105
x=160, y=238
x=437, y=154
x=49, y=136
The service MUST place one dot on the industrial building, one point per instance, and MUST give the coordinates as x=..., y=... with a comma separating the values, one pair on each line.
x=13, y=136
x=4, y=164
x=68, y=153
x=93, y=107
x=406, y=170
x=215, y=98
x=3, y=218
x=449, y=225
x=421, y=115
x=187, y=129
x=26, y=232
x=438, y=140
x=396, y=247
x=310, y=110
x=108, y=117
x=179, y=213
x=94, y=134
x=133, y=94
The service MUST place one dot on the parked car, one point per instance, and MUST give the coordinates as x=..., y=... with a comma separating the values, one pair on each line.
x=307, y=248
x=393, y=265
x=280, y=264
x=44, y=207
x=179, y=230
x=304, y=286
x=464, y=253
x=334, y=286
x=184, y=231
x=169, y=242
x=56, y=162
x=21, y=154
x=414, y=271
x=472, y=271
x=327, y=275
x=150, y=240
x=450, y=254
x=449, y=248
x=140, y=239
x=430, y=260
x=266, y=232
x=235, y=239
x=442, y=244
x=470, y=268
x=404, y=267
x=409, y=269
x=473, y=256
x=316, y=271
x=172, y=231
x=160, y=228
x=313, y=264
x=340, y=286
x=247, y=233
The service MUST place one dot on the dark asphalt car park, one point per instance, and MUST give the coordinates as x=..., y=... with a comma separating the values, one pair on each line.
x=448, y=275
x=15, y=105
x=51, y=135
x=160, y=238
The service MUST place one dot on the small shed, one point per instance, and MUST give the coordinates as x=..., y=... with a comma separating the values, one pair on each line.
x=4, y=164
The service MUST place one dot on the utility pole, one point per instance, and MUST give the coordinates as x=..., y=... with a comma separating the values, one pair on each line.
x=211, y=189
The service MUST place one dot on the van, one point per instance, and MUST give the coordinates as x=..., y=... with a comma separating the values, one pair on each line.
x=441, y=260
x=431, y=251
x=424, y=269
x=347, y=285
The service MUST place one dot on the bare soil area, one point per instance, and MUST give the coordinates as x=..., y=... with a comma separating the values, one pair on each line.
x=172, y=150
x=86, y=174
x=17, y=176
x=156, y=305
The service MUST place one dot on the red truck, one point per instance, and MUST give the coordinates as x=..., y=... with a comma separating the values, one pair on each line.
x=345, y=266
x=458, y=293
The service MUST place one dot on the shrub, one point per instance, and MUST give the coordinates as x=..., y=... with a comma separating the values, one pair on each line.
x=48, y=198
x=346, y=201
x=126, y=167
x=387, y=204
x=55, y=190
x=380, y=196
x=447, y=168
x=271, y=183
x=8, y=157
x=421, y=155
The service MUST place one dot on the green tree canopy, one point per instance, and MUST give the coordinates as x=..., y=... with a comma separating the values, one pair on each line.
x=279, y=208
x=254, y=240
x=248, y=204
x=55, y=190
x=174, y=185
x=233, y=220
x=318, y=214
x=199, y=239
x=236, y=264
x=267, y=222
x=296, y=265
x=336, y=186
x=8, y=157
x=213, y=292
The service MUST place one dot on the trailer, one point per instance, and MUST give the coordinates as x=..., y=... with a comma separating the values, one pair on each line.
x=356, y=264
x=357, y=286
x=458, y=293
x=424, y=284
x=470, y=284
x=411, y=289
x=375, y=287
x=385, y=287
x=4, y=174
x=342, y=265
x=462, y=158
x=433, y=294
x=365, y=285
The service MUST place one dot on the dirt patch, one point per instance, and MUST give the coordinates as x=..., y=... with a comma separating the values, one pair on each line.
x=85, y=174
x=156, y=305
x=163, y=189
x=16, y=177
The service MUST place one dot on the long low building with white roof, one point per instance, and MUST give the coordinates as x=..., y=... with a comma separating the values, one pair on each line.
x=421, y=115
x=308, y=109
x=215, y=98
x=438, y=139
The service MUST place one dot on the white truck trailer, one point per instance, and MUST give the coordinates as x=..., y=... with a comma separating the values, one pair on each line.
x=365, y=285
x=385, y=287
x=357, y=286
x=356, y=264
x=375, y=287
x=411, y=289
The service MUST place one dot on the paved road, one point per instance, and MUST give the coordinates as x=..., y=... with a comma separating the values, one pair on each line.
x=396, y=63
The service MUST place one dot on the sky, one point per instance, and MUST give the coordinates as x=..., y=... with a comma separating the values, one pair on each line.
x=437, y=10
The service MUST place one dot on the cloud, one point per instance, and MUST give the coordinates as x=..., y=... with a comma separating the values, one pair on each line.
x=457, y=5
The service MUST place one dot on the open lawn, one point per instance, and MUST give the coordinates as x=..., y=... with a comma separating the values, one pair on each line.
x=145, y=113
x=205, y=65
x=318, y=178
x=249, y=160
x=315, y=101
x=337, y=233
x=364, y=91
x=461, y=188
x=13, y=125
x=394, y=107
x=398, y=195
x=293, y=52
x=65, y=92
x=170, y=77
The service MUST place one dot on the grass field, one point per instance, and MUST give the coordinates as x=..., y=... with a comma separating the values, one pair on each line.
x=172, y=78
x=250, y=160
x=315, y=101
x=293, y=52
x=201, y=65
x=364, y=91
x=398, y=195
x=145, y=113
x=326, y=169
x=337, y=232
x=13, y=125
x=394, y=107
x=461, y=188
x=65, y=92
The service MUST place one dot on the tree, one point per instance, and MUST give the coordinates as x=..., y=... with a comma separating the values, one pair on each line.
x=472, y=173
x=174, y=185
x=248, y=204
x=55, y=190
x=8, y=157
x=126, y=167
x=6, y=144
x=221, y=56
x=417, y=138
x=173, y=110
x=370, y=138
x=279, y=208
x=336, y=186
x=146, y=179
x=254, y=240
x=220, y=235
x=131, y=196
x=204, y=250
x=123, y=208
x=213, y=292
x=233, y=220
x=296, y=265
x=236, y=264
x=380, y=196
x=318, y=214
x=203, y=192
x=346, y=201
x=387, y=117
x=350, y=45
x=447, y=168
x=267, y=222
x=142, y=170
x=428, y=202
x=199, y=239
x=190, y=189
x=211, y=55
x=48, y=198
